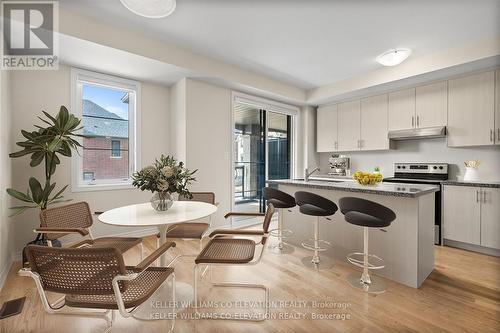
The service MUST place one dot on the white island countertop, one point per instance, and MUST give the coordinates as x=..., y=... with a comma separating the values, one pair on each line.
x=392, y=189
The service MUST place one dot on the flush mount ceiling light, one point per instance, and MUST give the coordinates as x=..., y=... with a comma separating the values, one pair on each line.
x=393, y=57
x=150, y=8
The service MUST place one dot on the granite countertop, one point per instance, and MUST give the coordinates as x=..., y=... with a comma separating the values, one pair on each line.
x=392, y=189
x=477, y=183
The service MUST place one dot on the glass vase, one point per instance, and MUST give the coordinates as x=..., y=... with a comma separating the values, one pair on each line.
x=162, y=201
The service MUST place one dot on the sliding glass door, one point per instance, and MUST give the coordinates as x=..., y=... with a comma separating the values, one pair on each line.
x=261, y=151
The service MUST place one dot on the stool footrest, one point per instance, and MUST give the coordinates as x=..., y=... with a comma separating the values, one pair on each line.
x=357, y=259
x=285, y=233
x=323, y=245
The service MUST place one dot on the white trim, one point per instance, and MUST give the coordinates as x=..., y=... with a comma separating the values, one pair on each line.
x=79, y=76
x=271, y=106
x=264, y=103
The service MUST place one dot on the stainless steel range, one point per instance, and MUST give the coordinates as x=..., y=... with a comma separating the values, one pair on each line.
x=423, y=173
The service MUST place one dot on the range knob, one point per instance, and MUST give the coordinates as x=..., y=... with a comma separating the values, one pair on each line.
x=404, y=167
x=435, y=167
x=399, y=166
x=441, y=167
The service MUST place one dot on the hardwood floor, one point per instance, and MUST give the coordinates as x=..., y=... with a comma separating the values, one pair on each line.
x=461, y=295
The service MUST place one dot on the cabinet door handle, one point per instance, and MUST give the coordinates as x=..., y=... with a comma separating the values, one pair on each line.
x=484, y=196
x=498, y=134
x=477, y=196
x=418, y=121
x=412, y=121
x=491, y=135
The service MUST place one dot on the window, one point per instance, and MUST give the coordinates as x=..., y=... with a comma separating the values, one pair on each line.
x=107, y=106
x=115, y=148
x=87, y=175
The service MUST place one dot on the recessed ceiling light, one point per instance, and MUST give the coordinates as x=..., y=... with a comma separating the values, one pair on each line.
x=150, y=8
x=393, y=57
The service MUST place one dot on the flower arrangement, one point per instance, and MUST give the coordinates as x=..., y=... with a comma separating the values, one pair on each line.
x=164, y=177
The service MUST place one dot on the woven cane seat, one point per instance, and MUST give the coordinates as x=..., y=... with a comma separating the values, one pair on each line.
x=227, y=251
x=137, y=292
x=123, y=244
x=188, y=230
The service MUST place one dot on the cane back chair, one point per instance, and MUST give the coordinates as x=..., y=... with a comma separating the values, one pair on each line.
x=192, y=230
x=76, y=218
x=95, y=278
x=224, y=249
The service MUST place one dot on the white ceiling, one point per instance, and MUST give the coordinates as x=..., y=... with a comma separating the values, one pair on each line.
x=308, y=43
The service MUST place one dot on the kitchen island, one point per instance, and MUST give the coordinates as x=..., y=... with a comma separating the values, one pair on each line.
x=407, y=246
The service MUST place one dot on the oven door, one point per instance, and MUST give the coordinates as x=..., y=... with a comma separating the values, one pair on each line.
x=437, y=201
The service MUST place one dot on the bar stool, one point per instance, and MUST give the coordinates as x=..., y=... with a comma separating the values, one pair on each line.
x=367, y=214
x=281, y=201
x=315, y=205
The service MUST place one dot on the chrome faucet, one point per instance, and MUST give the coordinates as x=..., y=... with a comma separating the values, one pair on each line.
x=307, y=173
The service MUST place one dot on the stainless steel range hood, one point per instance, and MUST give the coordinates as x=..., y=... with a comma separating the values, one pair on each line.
x=418, y=133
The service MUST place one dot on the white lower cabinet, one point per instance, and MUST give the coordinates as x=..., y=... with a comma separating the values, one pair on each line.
x=472, y=215
x=490, y=218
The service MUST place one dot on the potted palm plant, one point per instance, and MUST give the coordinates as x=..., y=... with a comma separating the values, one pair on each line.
x=46, y=145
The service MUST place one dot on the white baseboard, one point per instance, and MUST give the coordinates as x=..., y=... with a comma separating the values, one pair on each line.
x=5, y=272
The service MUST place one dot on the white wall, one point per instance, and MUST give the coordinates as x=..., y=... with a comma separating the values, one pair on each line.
x=306, y=141
x=208, y=139
x=5, y=175
x=429, y=150
x=34, y=91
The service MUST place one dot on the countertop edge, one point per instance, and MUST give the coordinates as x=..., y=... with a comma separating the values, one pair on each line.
x=358, y=190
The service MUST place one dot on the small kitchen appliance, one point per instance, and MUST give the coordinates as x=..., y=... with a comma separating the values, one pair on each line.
x=339, y=165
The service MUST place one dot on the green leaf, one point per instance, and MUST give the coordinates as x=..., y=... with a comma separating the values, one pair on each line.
x=59, y=193
x=37, y=158
x=20, y=153
x=20, y=209
x=54, y=121
x=36, y=190
x=58, y=201
x=19, y=195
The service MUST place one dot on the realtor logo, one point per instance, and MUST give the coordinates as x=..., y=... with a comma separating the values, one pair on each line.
x=30, y=40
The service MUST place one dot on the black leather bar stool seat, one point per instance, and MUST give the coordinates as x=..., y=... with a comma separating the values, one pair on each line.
x=315, y=205
x=366, y=214
x=280, y=201
x=365, y=220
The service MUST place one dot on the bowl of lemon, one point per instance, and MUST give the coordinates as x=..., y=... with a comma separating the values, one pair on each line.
x=367, y=178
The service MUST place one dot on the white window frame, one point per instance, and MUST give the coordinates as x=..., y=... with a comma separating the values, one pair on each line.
x=80, y=77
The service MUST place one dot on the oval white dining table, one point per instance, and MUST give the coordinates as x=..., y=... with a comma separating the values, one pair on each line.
x=143, y=215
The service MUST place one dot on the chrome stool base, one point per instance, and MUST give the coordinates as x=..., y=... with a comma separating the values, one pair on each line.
x=280, y=234
x=376, y=285
x=318, y=245
x=284, y=249
x=324, y=263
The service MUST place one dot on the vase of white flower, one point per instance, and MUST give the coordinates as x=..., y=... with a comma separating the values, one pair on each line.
x=164, y=178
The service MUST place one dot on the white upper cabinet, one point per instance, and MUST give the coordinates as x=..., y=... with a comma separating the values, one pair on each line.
x=497, y=107
x=374, y=123
x=402, y=109
x=431, y=105
x=326, y=129
x=349, y=119
x=471, y=110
